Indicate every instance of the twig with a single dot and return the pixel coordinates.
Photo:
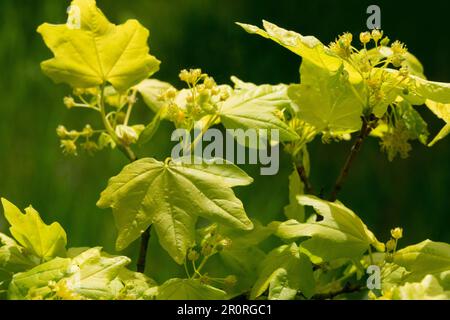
(366, 128)
(304, 177)
(145, 238)
(330, 295)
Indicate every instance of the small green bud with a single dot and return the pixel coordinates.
(385, 41)
(230, 281)
(62, 132)
(377, 35)
(193, 255)
(69, 102)
(90, 146)
(207, 250)
(365, 37)
(88, 131)
(390, 245)
(69, 147)
(209, 83)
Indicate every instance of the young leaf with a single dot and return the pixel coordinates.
(94, 272)
(416, 126)
(171, 196)
(38, 278)
(135, 285)
(308, 47)
(428, 289)
(341, 229)
(443, 112)
(284, 271)
(150, 130)
(98, 52)
(424, 258)
(326, 100)
(12, 256)
(13, 259)
(255, 109)
(294, 210)
(279, 286)
(44, 241)
(188, 289)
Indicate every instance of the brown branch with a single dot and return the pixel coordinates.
(366, 128)
(304, 177)
(145, 238)
(330, 295)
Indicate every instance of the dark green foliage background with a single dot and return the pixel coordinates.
(412, 193)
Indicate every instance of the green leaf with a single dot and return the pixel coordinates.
(89, 275)
(150, 130)
(442, 111)
(431, 90)
(308, 47)
(94, 272)
(428, 289)
(188, 289)
(151, 90)
(98, 52)
(256, 109)
(38, 278)
(284, 271)
(12, 256)
(171, 196)
(294, 210)
(13, 259)
(135, 285)
(279, 286)
(424, 258)
(326, 100)
(341, 229)
(44, 241)
(416, 126)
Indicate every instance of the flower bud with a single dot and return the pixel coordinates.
(365, 37)
(397, 233)
(207, 250)
(69, 102)
(88, 131)
(193, 255)
(390, 245)
(90, 146)
(62, 132)
(69, 147)
(376, 35)
(385, 41)
(230, 281)
(126, 135)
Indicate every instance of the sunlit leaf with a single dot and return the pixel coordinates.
(99, 52)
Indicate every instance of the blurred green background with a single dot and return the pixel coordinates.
(412, 193)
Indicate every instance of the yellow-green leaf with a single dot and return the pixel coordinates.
(308, 47)
(98, 52)
(44, 241)
(442, 111)
(171, 196)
